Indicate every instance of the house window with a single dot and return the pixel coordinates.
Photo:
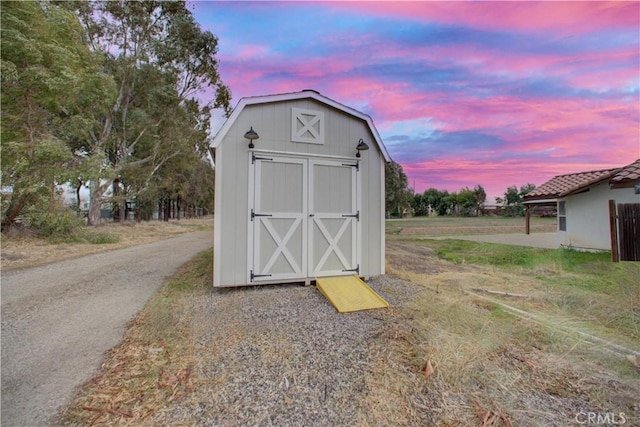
(562, 216)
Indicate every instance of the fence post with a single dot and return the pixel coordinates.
(614, 231)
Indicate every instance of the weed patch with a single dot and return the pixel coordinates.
(490, 365)
(99, 238)
(81, 236)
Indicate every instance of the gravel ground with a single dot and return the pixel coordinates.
(282, 355)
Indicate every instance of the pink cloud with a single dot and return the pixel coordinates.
(566, 17)
(456, 172)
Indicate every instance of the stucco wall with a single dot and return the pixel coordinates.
(588, 217)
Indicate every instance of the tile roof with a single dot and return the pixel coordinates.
(627, 173)
(563, 184)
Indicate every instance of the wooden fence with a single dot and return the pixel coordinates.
(625, 237)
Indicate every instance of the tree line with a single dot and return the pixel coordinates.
(403, 201)
(103, 95)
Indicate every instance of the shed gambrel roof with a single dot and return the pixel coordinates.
(572, 183)
(305, 94)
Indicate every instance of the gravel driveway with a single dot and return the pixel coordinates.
(59, 319)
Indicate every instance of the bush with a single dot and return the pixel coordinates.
(58, 223)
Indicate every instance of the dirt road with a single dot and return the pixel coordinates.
(59, 319)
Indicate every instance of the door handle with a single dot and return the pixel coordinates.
(312, 215)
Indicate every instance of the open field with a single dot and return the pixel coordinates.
(451, 226)
(22, 249)
(477, 334)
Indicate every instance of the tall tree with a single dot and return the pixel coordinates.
(526, 189)
(466, 202)
(434, 199)
(513, 201)
(45, 68)
(397, 194)
(159, 58)
(479, 197)
(419, 205)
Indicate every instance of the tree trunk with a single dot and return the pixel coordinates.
(167, 209)
(95, 202)
(12, 213)
(79, 203)
(123, 210)
(115, 206)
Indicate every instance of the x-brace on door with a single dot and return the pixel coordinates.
(334, 218)
(304, 218)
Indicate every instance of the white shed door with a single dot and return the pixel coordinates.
(304, 218)
(334, 214)
(279, 217)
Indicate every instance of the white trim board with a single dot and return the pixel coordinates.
(305, 94)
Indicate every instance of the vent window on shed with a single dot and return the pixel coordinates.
(307, 126)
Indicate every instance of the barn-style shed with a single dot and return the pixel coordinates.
(299, 192)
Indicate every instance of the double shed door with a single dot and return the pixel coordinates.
(304, 218)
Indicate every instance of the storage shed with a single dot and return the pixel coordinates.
(299, 192)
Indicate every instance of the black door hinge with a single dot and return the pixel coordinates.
(355, 215)
(356, 270)
(253, 276)
(353, 165)
(253, 214)
(254, 158)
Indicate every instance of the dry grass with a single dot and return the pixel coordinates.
(22, 249)
(448, 354)
(154, 365)
(455, 355)
(459, 357)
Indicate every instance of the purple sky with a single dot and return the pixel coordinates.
(462, 93)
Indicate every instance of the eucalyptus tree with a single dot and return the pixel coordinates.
(46, 72)
(160, 59)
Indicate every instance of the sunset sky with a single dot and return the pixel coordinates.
(462, 93)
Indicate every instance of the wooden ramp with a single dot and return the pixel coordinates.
(349, 293)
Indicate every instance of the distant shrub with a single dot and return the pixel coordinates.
(55, 224)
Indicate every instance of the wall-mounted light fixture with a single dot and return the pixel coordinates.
(251, 135)
(362, 146)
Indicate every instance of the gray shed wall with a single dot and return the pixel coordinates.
(272, 121)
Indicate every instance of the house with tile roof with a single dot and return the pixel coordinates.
(582, 201)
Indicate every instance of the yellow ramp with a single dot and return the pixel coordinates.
(349, 293)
